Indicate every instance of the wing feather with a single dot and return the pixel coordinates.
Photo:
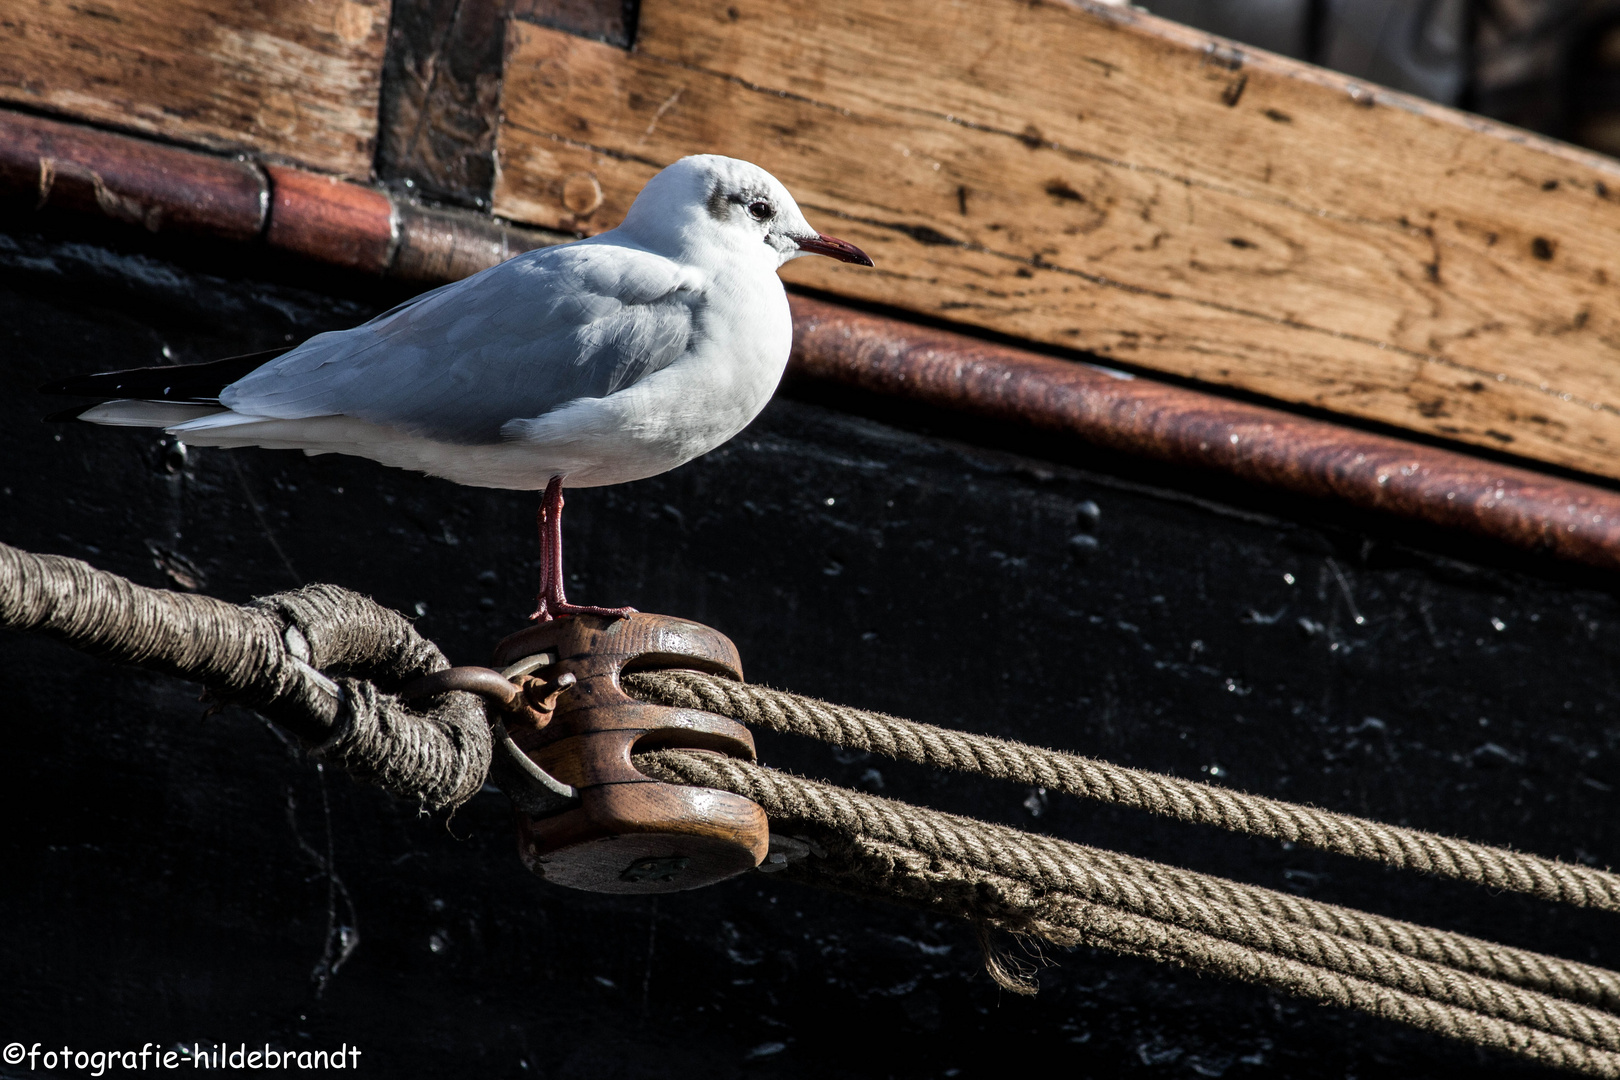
(513, 342)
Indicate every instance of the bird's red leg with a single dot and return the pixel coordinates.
(552, 603)
(550, 528)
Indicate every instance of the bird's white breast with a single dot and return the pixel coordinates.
(744, 336)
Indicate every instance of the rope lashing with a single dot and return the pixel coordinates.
(268, 656)
(1069, 894)
(1186, 800)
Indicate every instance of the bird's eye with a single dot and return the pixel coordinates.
(761, 210)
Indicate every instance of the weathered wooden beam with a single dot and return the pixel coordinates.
(442, 82)
(1092, 177)
(298, 81)
(440, 89)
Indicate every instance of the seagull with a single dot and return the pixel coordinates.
(602, 361)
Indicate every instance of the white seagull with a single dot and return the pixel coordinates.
(598, 362)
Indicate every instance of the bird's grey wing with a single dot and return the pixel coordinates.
(514, 342)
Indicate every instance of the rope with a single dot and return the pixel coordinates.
(1114, 899)
(876, 870)
(1566, 979)
(1187, 800)
(268, 656)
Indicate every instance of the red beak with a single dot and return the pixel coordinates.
(842, 250)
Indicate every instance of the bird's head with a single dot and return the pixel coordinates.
(711, 203)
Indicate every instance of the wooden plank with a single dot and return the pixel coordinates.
(442, 81)
(288, 78)
(440, 87)
(1100, 179)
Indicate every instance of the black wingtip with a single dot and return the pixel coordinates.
(187, 383)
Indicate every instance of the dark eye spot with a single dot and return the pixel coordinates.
(762, 210)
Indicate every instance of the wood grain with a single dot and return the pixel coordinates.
(1099, 179)
(289, 78)
(441, 84)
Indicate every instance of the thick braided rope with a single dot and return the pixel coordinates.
(1188, 800)
(196, 637)
(1058, 866)
(891, 872)
(862, 866)
(1564, 978)
(438, 755)
(1568, 979)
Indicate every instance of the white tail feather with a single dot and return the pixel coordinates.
(146, 414)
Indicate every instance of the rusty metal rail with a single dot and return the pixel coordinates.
(1173, 425)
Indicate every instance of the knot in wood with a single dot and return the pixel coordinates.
(582, 193)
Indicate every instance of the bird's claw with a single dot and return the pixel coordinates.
(549, 612)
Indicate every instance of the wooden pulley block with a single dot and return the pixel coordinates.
(629, 833)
